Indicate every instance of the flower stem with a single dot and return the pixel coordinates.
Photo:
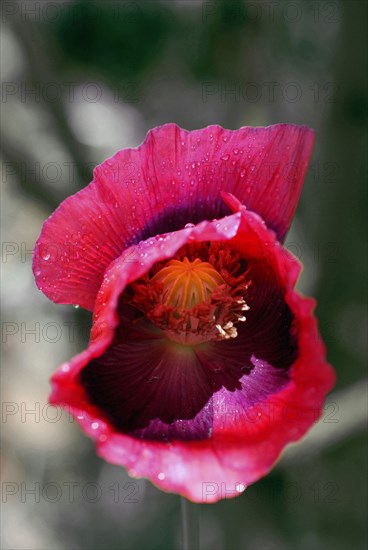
(190, 524)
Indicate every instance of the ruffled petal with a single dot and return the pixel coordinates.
(277, 399)
(173, 178)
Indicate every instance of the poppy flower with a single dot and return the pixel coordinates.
(203, 360)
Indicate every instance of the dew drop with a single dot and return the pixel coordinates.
(76, 306)
(94, 425)
(154, 378)
(217, 369)
(188, 225)
(161, 476)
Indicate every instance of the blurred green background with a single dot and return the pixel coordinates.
(81, 80)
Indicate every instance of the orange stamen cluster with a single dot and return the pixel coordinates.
(192, 300)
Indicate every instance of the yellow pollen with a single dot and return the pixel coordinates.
(187, 284)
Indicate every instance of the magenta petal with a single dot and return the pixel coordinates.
(173, 178)
(79, 240)
(263, 167)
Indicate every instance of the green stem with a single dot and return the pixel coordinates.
(190, 524)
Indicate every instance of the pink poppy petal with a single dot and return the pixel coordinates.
(173, 178)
